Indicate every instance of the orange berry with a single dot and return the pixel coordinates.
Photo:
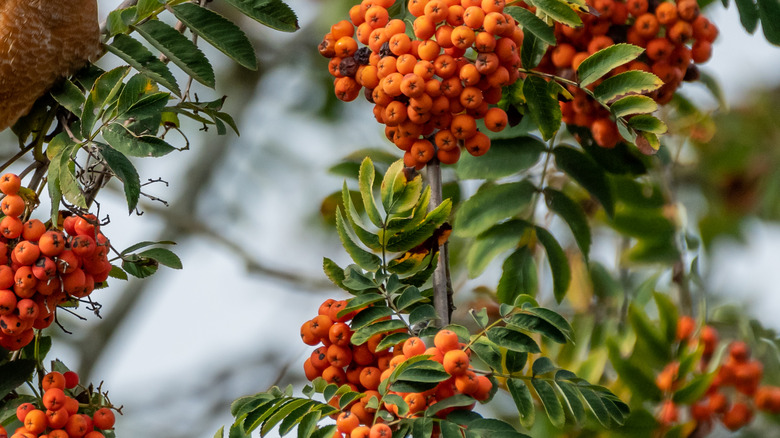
(446, 340)
(666, 13)
(456, 362)
(11, 227)
(685, 328)
(738, 416)
(668, 414)
(467, 383)
(35, 421)
(10, 184)
(360, 432)
(53, 379)
(370, 377)
(477, 145)
(413, 347)
(380, 430)
(12, 205)
(496, 119)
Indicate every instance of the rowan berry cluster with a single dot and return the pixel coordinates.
(675, 37)
(426, 92)
(41, 269)
(60, 413)
(364, 368)
(735, 392)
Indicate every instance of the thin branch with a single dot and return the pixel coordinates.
(442, 284)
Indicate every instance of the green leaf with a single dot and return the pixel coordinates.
(117, 272)
(518, 276)
(68, 95)
(219, 32)
(56, 147)
(596, 406)
(360, 302)
(406, 241)
(533, 323)
(543, 105)
(572, 398)
(605, 60)
(356, 280)
(523, 400)
(504, 158)
(125, 172)
(141, 59)
(769, 11)
(693, 390)
(365, 259)
(220, 433)
(103, 92)
(393, 185)
(146, 8)
(455, 401)
(391, 340)
(559, 264)
(543, 365)
(409, 297)
(554, 319)
(559, 11)
(361, 335)
(366, 183)
(422, 428)
(450, 430)
(335, 274)
(513, 340)
(163, 256)
(491, 427)
(144, 244)
(532, 51)
(648, 334)
(370, 315)
(281, 413)
(492, 203)
(129, 144)
(295, 417)
(493, 242)
(423, 313)
(14, 374)
(533, 24)
(574, 216)
(626, 83)
(550, 402)
(140, 268)
(646, 122)
(62, 176)
(587, 173)
(368, 238)
(748, 14)
(515, 361)
(272, 13)
(636, 104)
(636, 378)
(426, 371)
(667, 312)
(488, 352)
(308, 424)
(179, 49)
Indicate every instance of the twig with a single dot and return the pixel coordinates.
(442, 285)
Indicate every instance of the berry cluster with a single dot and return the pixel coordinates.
(60, 413)
(734, 394)
(41, 269)
(675, 37)
(423, 89)
(364, 368)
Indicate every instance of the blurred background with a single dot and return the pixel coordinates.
(175, 349)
